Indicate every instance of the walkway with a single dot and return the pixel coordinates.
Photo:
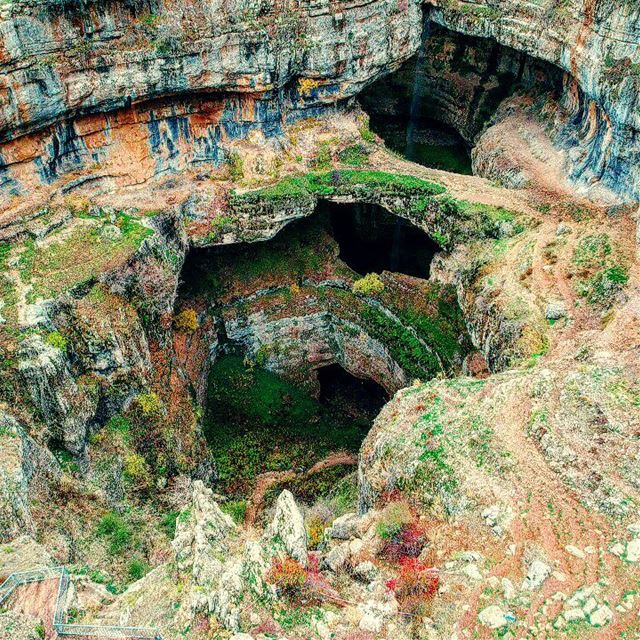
(42, 594)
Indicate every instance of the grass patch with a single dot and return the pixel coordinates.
(78, 257)
(355, 155)
(599, 271)
(237, 509)
(115, 530)
(335, 182)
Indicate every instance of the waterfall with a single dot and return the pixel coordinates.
(416, 95)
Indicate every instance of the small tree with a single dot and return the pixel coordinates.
(186, 321)
(370, 285)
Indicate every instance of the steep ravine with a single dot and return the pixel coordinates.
(262, 377)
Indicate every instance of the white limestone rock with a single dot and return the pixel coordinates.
(538, 572)
(493, 617)
(287, 532)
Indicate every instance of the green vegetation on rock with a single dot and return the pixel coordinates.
(601, 273)
(258, 422)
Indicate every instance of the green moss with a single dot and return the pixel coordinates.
(121, 426)
(491, 217)
(411, 353)
(259, 422)
(221, 225)
(442, 156)
(5, 251)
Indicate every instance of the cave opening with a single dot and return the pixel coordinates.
(276, 401)
(259, 422)
(433, 109)
(372, 240)
(358, 398)
(424, 141)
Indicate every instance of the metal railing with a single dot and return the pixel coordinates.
(60, 624)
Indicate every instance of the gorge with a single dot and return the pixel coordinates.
(319, 319)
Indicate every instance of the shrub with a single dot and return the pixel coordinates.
(601, 275)
(288, 576)
(366, 133)
(168, 524)
(370, 285)
(150, 404)
(323, 158)
(57, 340)
(186, 321)
(415, 587)
(395, 517)
(113, 527)
(315, 526)
(235, 165)
(402, 532)
(136, 470)
(137, 569)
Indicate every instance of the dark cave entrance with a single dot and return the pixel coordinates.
(372, 240)
(434, 107)
(344, 393)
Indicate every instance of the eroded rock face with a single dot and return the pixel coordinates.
(596, 44)
(69, 111)
(23, 465)
(316, 340)
(272, 68)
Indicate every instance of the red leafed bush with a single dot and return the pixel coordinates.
(415, 586)
(288, 576)
(413, 539)
(304, 586)
(401, 530)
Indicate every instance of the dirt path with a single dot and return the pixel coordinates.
(272, 478)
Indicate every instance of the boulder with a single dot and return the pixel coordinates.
(287, 532)
(537, 574)
(493, 617)
(344, 527)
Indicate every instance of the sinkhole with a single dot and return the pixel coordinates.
(259, 422)
(303, 362)
(434, 108)
(372, 240)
